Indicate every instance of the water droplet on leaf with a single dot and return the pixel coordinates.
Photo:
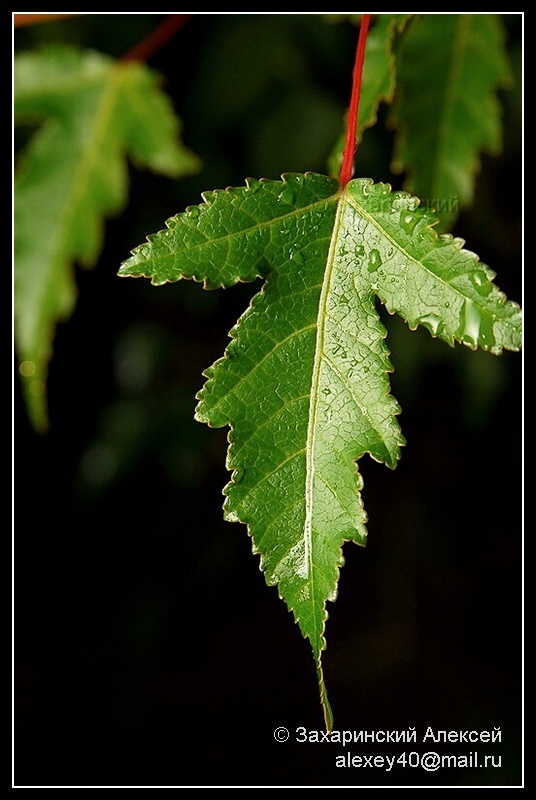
(431, 322)
(481, 283)
(470, 320)
(408, 221)
(374, 260)
(286, 195)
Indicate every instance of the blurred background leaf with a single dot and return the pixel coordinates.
(446, 110)
(90, 113)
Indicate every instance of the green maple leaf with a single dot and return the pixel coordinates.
(448, 70)
(93, 113)
(304, 382)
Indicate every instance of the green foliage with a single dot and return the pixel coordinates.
(438, 75)
(304, 382)
(92, 113)
(448, 70)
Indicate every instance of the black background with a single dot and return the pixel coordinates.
(148, 649)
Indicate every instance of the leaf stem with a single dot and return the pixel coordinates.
(350, 146)
(157, 38)
(24, 19)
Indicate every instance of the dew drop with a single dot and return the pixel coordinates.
(374, 260)
(431, 322)
(286, 195)
(408, 221)
(487, 337)
(470, 320)
(481, 283)
(193, 212)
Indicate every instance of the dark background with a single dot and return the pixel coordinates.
(148, 649)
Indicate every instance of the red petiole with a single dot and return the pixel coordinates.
(157, 38)
(351, 124)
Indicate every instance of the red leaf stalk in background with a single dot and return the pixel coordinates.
(157, 38)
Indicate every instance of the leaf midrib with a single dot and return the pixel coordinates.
(458, 52)
(322, 316)
(81, 177)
